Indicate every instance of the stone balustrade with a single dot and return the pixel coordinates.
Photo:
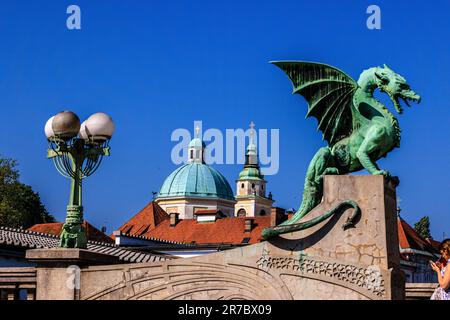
(18, 283)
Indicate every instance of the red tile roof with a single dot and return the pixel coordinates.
(224, 230)
(435, 244)
(93, 234)
(410, 239)
(153, 222)
(146, 219)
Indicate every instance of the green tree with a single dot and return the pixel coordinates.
(20, 206)
(422, 227)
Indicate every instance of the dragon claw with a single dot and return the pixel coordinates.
(383, 172)
(394, 179)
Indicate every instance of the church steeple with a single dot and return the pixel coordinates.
(196, 148)
(251, 157)
(251, 186)
(251, 167)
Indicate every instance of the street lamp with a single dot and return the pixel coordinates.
(77, 151)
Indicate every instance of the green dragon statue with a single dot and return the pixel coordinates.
(359, 129)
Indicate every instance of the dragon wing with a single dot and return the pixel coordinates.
(329, 93)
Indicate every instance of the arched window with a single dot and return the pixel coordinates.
(253, 186)
(242, 186)
(241, 213)
(192, 154)
(262, 213)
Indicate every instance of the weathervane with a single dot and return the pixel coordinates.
(77, 151)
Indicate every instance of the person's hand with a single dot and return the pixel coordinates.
(434, 266)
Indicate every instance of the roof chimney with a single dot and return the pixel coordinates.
(277, 215)
(173, 219)
(248, 225)
(117, 235)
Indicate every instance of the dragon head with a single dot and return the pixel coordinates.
(395, 86)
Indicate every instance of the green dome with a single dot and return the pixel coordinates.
(250, 173)
(196, 180)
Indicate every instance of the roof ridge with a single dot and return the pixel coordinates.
(153, 238)
(49, 235)
(106, 244)
(159, 214)
(25, 231)
(410, 232)
(15, 237)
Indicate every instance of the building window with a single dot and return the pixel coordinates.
(192, 154)
(253, 186)
(242, 186)
(262, 213)
(241, 213)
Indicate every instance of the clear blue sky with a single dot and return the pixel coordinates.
(156, 66)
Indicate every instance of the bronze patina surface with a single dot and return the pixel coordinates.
(359, 129)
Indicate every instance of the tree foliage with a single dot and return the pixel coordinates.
(422, 227)
(20, 206)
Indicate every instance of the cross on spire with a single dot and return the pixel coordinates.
(197, 131)
(252, 131)
(252, 157)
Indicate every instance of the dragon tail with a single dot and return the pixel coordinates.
(340, 208)
(309, 201)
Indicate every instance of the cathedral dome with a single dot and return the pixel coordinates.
(196, 180)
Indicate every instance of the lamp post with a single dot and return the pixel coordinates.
(77, 151)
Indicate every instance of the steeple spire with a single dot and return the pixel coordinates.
(251, 155)
(251, 186)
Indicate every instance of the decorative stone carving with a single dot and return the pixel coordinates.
(369, 278)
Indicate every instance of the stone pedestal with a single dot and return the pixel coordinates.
(58, 272)
(368, 254)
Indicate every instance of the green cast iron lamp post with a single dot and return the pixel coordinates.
(77, 151)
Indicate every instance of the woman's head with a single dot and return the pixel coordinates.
(444, 248)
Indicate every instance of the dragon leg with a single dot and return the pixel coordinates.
(320, 165)
(312, 192)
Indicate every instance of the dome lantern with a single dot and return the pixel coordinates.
(196, 148)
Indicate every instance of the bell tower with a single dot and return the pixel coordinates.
(251, 185)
